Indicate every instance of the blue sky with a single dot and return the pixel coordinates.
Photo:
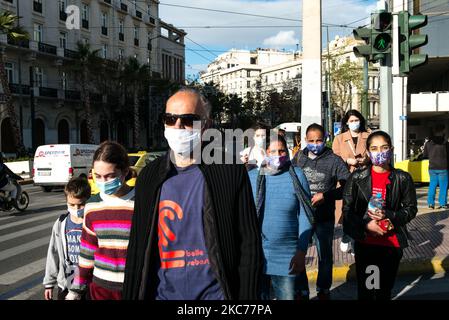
(204, 44)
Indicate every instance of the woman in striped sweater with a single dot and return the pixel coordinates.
(106, 227)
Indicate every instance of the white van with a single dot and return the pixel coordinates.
(55, 164)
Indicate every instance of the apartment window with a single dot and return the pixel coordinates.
(275, 77)
(85, 16)
(64, 81)
(38, 77)
(62, 40)
(121, 30)
(37, 5)
(9, 68)
(288, 75)
(104, 23)
(149, 9)
(121, 53)
(136, 36)
(104, 51)
(282, 76)
(62, 14)
(38, 32)
(266, 79)
(248, 73)
(248, 84)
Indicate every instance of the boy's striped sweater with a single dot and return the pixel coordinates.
(104, 242)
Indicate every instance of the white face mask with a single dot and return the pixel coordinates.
(182, 141)
(259, 141)
(354, 126)
(78, 213)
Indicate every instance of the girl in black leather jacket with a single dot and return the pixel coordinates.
(378, 228)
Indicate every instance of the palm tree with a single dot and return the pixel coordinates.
(135, 76)
(8, 27)
(85, 66)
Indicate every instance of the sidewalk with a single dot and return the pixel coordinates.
(428, 252)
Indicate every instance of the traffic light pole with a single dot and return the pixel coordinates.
(386, 100)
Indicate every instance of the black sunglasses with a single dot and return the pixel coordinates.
(187, 120)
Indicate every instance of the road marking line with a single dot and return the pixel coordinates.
(25, 232)
(407, 288)
(21, 222)
(26, 295)
(24, 248)
(23, 272)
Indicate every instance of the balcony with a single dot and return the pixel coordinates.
(123, 7)
(121, 36)
(104, 31)
(149, 46)
(24, 43)
(72, 95)
(70, 54)
(107, 1)
(136, 42)
(14, 87)
(138, 14)
(85, 23)
(37, 6)
(48, 92)
(46, 48)
(10, 1)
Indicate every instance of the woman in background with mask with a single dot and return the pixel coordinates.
(350, 145)
(106, 227)
(253, 156)
(285, 226)
(378, 225)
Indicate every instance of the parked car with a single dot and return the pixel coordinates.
(137, 162)
(418, 169)
(55, 164)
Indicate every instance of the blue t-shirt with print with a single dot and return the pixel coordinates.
(73, 239)
(185, 272)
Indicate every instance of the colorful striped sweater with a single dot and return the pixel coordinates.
(104, 242)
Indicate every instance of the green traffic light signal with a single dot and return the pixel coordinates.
(381, 36)
(409, 41)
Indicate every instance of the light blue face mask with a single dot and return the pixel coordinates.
(109, 187)
(79, 213)
(354, 126)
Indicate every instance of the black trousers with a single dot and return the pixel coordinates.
(386, 259)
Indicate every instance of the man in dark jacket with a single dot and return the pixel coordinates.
(437, 151)
(323, 170)
(194, 233)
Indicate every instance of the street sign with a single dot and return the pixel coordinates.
(337, 128)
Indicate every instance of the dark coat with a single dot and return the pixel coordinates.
(231, 231)
(401, 203)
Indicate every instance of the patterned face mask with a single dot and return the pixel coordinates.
(316, 149)
(380, 158)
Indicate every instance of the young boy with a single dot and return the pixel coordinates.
(63, 251)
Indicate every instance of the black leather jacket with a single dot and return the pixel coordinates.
(401, 204)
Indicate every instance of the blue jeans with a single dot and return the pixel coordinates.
(325, 235)
(438, 178)
(280, 287)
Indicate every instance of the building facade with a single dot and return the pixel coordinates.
(117, 28)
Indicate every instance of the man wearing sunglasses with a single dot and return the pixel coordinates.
(194, 233)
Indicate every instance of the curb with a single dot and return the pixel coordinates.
(406, 267)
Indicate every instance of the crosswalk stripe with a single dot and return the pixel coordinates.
(24, 248)
(25, 232)
(21, 273)
(18, 223)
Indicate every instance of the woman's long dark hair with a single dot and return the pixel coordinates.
(355, 113)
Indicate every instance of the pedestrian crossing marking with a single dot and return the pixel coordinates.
(21, 233)
(21, 222)
(24, 248)
(23, 272)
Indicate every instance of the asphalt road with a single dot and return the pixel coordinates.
(24, 239)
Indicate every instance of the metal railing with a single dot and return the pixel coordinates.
(47, 48)
(70, 54)
(72, 95)
(48, 92)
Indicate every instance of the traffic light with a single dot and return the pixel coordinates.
(381, 37)
(363, 50)
(409, 41)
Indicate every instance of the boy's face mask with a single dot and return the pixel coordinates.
(76, 212)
